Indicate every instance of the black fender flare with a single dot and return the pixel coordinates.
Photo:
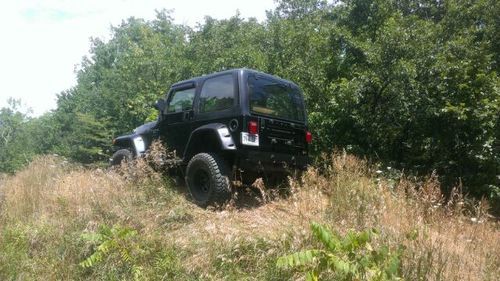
(219, 130)
(132, 141)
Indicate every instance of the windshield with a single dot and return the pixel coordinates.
(275, 98)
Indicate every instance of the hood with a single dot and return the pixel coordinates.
(145, 128)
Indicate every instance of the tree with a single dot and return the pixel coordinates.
(21, 136)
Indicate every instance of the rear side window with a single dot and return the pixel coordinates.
(217, 93)
(181, 100)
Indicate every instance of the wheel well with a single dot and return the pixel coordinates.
(123, 143)
(206, 141)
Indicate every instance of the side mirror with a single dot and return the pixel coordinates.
(160, 105)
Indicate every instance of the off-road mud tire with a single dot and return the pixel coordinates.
(120, 156)
(207, 178)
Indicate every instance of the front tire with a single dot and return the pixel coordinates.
(120, 156)
(207, 178)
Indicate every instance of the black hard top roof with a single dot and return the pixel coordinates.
(196, 80)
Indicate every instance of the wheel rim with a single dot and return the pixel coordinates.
(201, 181)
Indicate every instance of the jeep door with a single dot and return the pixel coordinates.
(175, 124)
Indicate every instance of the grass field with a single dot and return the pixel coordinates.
(60, 221)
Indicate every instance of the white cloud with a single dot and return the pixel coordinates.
(42, 41)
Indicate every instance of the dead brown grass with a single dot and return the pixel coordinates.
(441, 242)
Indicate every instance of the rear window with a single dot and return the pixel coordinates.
(274, 98)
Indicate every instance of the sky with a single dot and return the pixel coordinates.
(43, 41)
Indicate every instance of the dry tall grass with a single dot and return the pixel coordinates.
(45, 209)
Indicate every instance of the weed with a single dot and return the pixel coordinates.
(46, 207)
(351, 257)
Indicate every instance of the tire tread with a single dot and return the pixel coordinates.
(219, 173)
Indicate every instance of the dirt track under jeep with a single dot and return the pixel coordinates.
(238, 124)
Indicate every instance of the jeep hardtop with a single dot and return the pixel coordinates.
(238, 124)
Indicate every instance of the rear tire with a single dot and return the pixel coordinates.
(207, 178)
(120, 156)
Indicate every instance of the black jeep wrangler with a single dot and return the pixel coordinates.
(238, 124)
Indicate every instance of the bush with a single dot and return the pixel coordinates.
(351, 257)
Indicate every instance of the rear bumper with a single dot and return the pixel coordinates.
(266, 162)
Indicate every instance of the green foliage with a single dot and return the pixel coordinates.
(123, 76)
(12, 156)
(351, 257)
(113, 242)
(225, 44)
(86, 139)
(14, 244)
(413, 84)
(22, 137)
(48, 242)
(248, 259)
(29, 251)
(120, 253)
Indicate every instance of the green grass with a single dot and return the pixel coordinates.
(64, 222)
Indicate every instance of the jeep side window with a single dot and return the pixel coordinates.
(181, 100)
(217, 93)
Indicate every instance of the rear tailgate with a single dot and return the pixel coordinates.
(282, 136)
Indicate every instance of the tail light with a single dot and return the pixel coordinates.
(252, 136)
(309, 137)
(253, 128)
